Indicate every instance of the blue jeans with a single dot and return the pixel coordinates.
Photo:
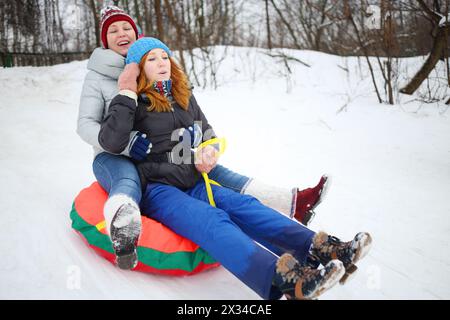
(228, 232)
(117, 175)
(228, 179)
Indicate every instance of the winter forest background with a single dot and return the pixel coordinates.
(358, 89)
(43, 32)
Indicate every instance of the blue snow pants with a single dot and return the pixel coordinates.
(228, 232)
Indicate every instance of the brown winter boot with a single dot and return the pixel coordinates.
(298, 282)
(327, 248)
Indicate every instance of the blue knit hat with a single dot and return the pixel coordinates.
(140, 47)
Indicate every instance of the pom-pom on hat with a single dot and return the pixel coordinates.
(111, 14)
(140, 48)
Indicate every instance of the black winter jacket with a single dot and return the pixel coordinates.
(123, 117)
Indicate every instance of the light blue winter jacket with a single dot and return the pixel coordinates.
(99, 88)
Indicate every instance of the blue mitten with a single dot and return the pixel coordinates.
(140, 146)
(196, 135)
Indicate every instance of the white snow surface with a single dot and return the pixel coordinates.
(390, 167)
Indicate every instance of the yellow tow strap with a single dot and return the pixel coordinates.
(222, 144)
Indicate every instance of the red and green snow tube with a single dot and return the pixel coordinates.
(160, 250)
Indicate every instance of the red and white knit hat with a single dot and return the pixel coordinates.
(111, 14)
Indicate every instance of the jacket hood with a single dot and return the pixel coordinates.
(106, 62)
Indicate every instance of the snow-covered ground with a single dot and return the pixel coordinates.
(390, 167)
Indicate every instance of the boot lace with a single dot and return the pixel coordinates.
(298, 271)
(343, 250)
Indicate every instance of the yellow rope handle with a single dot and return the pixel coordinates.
(222, 146)
(208, 189)
(214, 182)
(219, 141)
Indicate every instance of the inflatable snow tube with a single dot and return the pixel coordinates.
(160, 250)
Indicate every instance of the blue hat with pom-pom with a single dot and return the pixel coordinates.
(140, 47)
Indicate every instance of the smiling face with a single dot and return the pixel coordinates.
(120, 36)
(157, 65)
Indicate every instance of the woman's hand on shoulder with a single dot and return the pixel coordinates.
(128, 78)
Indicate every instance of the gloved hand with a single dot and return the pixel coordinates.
(192, 136)
(140, 146)
(196, 135)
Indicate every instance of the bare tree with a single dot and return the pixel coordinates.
(349, 16)
(159, 20)
(440, 43)
(95, 14)
(269, 35)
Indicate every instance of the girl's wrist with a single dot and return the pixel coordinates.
(129, 93)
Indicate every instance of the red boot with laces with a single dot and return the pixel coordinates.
(305, 201)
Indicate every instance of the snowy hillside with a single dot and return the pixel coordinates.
(390, 167)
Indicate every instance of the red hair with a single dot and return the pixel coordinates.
(180, 88)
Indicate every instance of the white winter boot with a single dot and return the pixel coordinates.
(123, 224)
(295, 203)
(279, 199)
